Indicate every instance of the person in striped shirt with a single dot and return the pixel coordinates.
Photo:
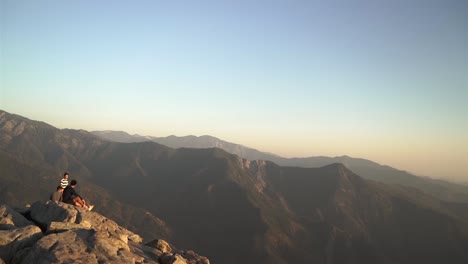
(64, 181)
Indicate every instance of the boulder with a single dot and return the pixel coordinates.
(25, 210)
(45, 213)
(150, 254)
(100, 223)
(58, 227)
(178, 259)
(168, 258)
(12, 241)
(10, 219)
(160, 245)
(193, 258)
(68, 247)
(20, 255)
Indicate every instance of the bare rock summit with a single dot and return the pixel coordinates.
(62, 233)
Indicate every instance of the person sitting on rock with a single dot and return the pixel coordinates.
(70, 196)
(64, 180)
(57, 195)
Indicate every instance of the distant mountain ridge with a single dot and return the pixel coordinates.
(231, 209)
(368, 169)
(188, 142)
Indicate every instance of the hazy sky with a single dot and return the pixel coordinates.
(382, 80)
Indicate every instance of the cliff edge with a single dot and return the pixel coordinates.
(62, 233)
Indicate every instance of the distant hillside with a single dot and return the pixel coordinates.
(233, 210)
(188, 142)
(34, 155)
(368, 169)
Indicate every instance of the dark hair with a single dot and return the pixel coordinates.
(59, 187)
(73, 182)
(66, 173)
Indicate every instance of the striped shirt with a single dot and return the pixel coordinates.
(63, 183)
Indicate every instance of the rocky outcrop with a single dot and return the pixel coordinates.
(174, 256)
(193, 258)
(72, 217)
(63, 233)
(160, 245)
(14, 241)
(11, 219)
(172, 259)
(81, 246)
(16, 234)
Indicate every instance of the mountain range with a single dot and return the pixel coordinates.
(441, 189)
(232, 209)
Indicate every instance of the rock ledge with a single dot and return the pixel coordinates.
(63, 233)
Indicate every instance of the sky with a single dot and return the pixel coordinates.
(381, 80)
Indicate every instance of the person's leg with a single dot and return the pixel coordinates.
(78, 202)
(82, 203)
(87, 205)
